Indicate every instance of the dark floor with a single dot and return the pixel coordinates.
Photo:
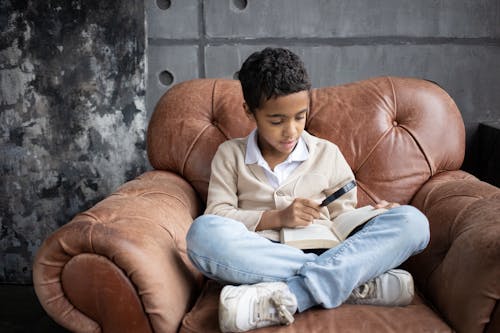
(20, 311)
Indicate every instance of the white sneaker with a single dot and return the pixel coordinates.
(245, 307)
(393, 288)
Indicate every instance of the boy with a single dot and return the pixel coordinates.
(274, 178)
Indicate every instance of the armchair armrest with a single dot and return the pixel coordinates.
(459, 271)
(121, 266)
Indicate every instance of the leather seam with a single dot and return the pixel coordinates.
(369, 154)
(91, 228)
(422, 151)
(144, 196)
(383, 134)
(190, 149)
(212, 118)
(213, 101)
(394, 97)
(365, 189)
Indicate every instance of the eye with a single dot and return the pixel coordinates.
(276, 122)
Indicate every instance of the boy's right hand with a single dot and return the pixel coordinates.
(300, 213)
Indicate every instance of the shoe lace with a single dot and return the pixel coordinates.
(366, 290)
(281, 315)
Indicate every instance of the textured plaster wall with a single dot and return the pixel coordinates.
(72, 115)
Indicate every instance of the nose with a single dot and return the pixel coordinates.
(290, 130)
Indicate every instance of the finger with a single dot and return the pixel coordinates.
(299, 222)
(381, 204)
(312, 212)
(306, 217)
(305, 224)
(311, 204)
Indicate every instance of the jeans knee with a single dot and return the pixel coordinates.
(211, 232)
(198, 232)
(415, 226)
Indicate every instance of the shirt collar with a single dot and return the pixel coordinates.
(253, 154)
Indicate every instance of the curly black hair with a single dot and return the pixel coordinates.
(272, 72)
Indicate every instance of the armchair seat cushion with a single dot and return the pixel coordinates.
(416, 317)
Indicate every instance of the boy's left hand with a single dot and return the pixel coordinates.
(386, 205)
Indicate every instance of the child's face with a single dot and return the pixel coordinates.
(280, 122)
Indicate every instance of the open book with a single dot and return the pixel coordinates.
(322, 236)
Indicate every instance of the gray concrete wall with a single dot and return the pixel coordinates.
(72, 115)
(455, 43)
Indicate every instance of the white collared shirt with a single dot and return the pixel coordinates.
(281, 171)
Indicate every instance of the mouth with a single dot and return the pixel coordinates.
(289, 144)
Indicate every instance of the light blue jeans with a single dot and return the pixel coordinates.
(224, 250)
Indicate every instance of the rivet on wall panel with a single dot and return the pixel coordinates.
(166, 78)
(163, 4)
(240, 4)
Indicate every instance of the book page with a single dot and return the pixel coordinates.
(314, 236)
(346, 222)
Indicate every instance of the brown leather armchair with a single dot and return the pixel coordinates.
(121, 266)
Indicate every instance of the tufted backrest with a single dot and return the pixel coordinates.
(394, 132)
